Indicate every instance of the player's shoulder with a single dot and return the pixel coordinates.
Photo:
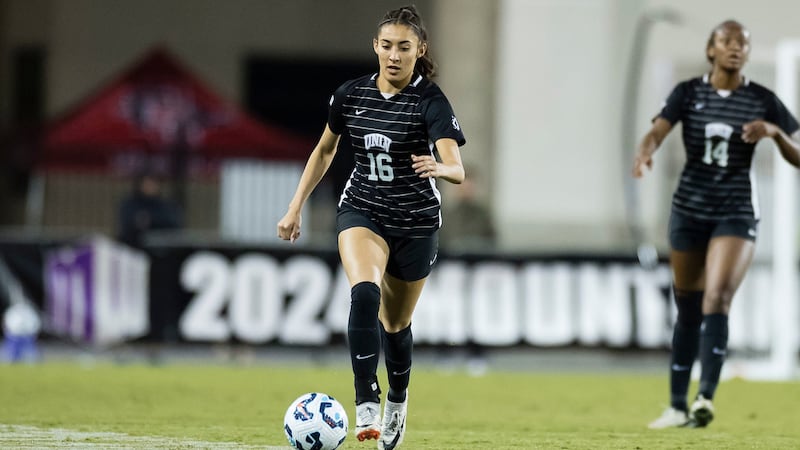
(690, 89)
(758, 89)
(427, 89)
(362, 81)
(693, 82)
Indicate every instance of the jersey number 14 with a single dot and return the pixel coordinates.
(716, 152)
(718, 135)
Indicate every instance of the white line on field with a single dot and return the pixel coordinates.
(28, 437)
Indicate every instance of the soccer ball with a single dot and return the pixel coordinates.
(315, 421)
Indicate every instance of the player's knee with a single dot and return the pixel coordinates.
(690, 307)
(718, 301)
(395, 324)
(365, 298)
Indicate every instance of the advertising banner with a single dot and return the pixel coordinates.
(284, 295)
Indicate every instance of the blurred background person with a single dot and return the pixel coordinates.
(146, 209)
(469, 222)
(714, 219)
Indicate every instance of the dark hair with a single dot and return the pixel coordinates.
(408, 16)
(720, 27)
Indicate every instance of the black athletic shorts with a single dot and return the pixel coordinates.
(410, 259)
(686, 233)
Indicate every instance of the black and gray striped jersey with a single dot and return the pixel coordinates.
(717, 182)
(384, 132)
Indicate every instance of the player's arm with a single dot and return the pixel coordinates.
(317, 165)
(789, 146)
(649, 144)
(445, 133)
(449, 168)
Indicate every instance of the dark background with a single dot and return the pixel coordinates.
(295, 93)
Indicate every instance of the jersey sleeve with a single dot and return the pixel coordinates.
(441, 120)
(336, 109)
(673, 106)
(778, 114)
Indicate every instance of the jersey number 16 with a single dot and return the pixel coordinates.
(380, 167)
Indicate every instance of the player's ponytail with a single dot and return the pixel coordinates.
(408, 16)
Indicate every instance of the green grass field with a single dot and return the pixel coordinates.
(191, 406)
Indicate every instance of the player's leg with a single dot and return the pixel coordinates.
(399, 300)
(364, 255)
(687, 259)
(687, 269)
(397, 307)
(727, 262)
(406, 272)
(689, 276)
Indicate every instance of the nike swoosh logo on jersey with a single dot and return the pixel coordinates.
(365, 356)
(434, 259)
(360, 111)
(401, 373)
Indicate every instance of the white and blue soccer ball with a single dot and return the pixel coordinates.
(315, 421)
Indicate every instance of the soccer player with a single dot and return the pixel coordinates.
(389, 213)
(714, 217)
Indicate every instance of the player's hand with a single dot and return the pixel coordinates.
(753, 131)
(425, 165)
(289, 227)
(639, 163)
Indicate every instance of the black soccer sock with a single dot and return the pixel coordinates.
(364, 340)
(398, 347)
(685, 345)
(713, 348)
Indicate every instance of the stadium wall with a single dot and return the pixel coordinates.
(546, 113)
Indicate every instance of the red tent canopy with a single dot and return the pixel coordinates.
(157, 108)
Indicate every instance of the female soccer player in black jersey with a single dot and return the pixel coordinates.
(714, 216)
(389, 212)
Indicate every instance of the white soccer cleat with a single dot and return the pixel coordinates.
(701, 413)
(670, 418)
(394, 425)
(368, 424)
